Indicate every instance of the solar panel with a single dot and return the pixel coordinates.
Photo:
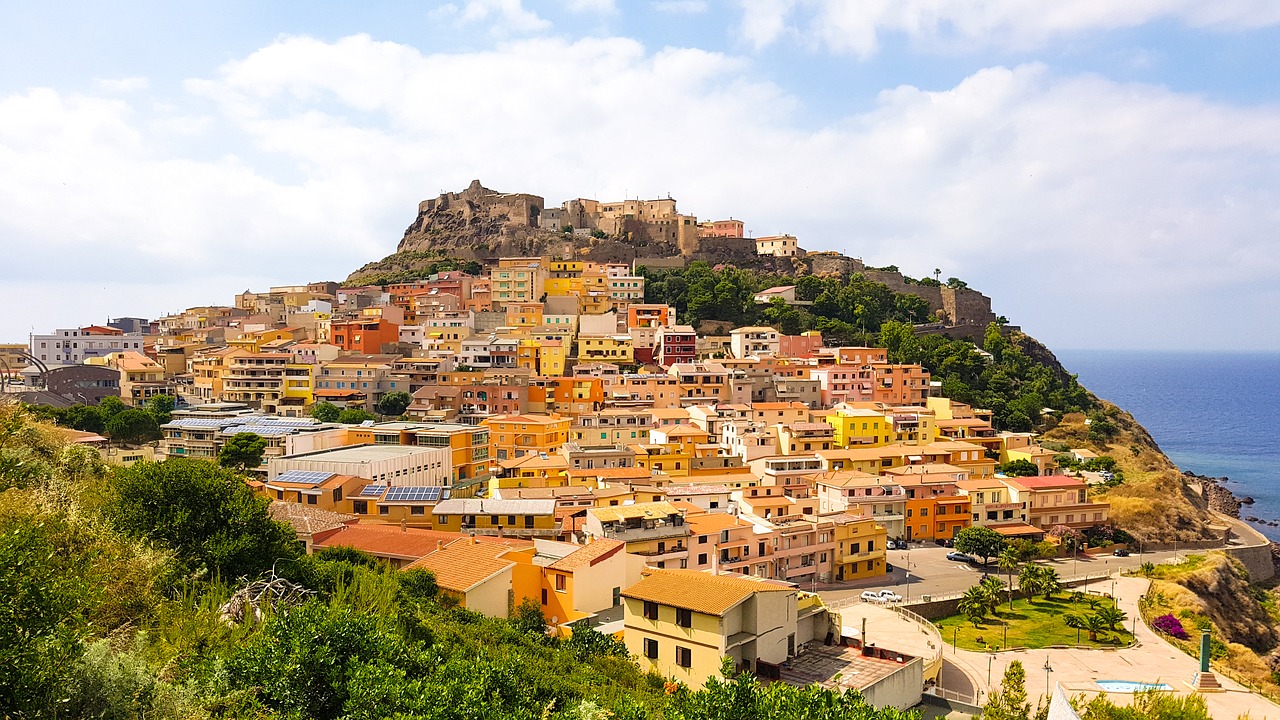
(308, 477)
(413, 494)
(372, 490)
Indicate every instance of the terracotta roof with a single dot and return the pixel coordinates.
(1048, 482)
(698, 591)
(697, 490)
(391, 541)
(632, 473)
(465, 564)
(709, 523)
(594, 552)
(307, 519)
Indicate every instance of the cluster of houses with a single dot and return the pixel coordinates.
(568, 444)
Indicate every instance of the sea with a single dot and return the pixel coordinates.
(1212, 413)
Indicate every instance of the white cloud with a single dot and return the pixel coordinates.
(1063, 198)
(856, 27)
(121, 85)
(502, 16)
(681, 7)
(599, 7)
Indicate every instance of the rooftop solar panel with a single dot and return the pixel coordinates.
(309, 477)
(372, 490)
(413, 494)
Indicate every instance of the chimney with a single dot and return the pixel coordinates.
(439, 545)
(403, 525)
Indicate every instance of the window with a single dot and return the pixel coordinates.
(417, 510)
(384, 510)
(311, 499)
(684, 657)
(561, 583)
(651, 648)
(702, 558)
(684, 617)
(650, 610)
(360, 507)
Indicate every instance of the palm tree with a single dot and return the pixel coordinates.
(992, 587)
(1112, 616)
(1076, 623)
(1050, 585)
(973, 604)
(1008, 562)
(1094, 624)
(1030, 580)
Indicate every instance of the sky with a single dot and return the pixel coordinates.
(1107, 172)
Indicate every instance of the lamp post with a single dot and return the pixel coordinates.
(990, 657)
(1047, 669)
(955, 635)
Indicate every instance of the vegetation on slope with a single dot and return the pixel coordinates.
(409, 266)
(1211, 592)
(112, 586)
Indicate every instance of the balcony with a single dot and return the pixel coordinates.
(679, 552)
(861, 557)
(660, 532)
(517, 532)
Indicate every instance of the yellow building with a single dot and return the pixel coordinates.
(607, 348)
(513, 436)
(506, 518)
(516, 280)
(531, 471)
(860, 547)
(682, 623)
(855, 427)
(543, 357)
(524, 314)
(469, 445)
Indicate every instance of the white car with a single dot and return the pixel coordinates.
(883, 596)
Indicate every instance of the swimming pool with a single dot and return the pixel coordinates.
(1129, 686)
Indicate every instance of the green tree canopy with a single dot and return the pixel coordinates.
(1010, 701)
(205, 514)
(355, 416)
(394, 403)
(161, 407)
(979, 541)
(243, 451)
(1019, 468)
(325, 412)
(133, 427)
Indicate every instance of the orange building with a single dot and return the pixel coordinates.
(366, 337)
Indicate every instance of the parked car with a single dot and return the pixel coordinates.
(880, 596)
(1120, 552)
(961, 557)
(948, 542)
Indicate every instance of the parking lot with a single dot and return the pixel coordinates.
(925, 570)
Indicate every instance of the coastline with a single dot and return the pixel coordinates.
(1225, 502)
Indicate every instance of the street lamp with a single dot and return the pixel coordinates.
(990, 657)
(1047, 669)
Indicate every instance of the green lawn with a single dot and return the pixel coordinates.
(1030, 625)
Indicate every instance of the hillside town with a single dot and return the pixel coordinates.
(539, 432)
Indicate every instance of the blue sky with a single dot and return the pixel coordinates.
(1109, 173)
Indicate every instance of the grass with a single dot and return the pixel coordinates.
(1035, 624)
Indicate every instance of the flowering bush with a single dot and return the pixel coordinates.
(1171, 626)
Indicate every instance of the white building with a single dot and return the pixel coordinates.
(397, 465)
(73, 346)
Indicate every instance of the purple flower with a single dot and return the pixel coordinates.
(1171, 626)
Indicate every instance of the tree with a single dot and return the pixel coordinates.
(1019, 468)
(1112, 616)
(1094, 624)
(1050, 584)
(1075, 622)
(86, 418)
(529, 618)
(205, 514)
(394, 404)
(325, 412)
(1031, 580)
(355, 416)
(243, 452)
(1008, 562)
(1010, 701)
(161, 408)
(974, 604)
(980, 541)
(133, 427)
(110, 406)
(992, 588)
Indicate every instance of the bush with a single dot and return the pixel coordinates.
(1171, 626)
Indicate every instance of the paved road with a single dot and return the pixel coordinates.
(932, 574)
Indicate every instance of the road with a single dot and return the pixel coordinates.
(932, 574)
